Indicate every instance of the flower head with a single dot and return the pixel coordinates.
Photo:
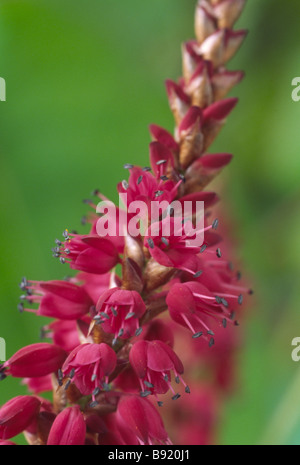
(153, 362)
(119, 311)
(89, 366)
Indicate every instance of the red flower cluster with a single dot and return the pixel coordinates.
(116, 353)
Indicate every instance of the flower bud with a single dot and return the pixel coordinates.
(17, 414)
(68, 428)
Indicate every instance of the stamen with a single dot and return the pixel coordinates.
(150, 243)
(211, 342)
(197, 274)
(215, 223)
(138, 331)
(129, 315)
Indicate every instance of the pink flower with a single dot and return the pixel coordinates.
(68, 428)
(168, 242)
(57, 299)
(140, 418)
(153, 362)
(89, 253)
(119, 311)
(34, 360)
(89, 366)
(145, 187)
(17, 414)
(191, 303)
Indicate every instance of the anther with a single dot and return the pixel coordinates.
(121, 332)
(211, 342)
(218, 252)
(161, 162)
(197, 274)
(176, 397)
(158, 193)
(96, 391)
(149, 385)
(21, 307)
(146, 168)
(72, 373)
(104, 315)
(23, 284)
(165, 241)
(145, 393)
(196, 335)
(160, 403)
(62, 260)
(150, 243)
(203, 248)
(224, 302)
(140, 178)
(125, 184)
(187, 390)
(177, 380)
(164, 178)
(224, 323)
(215, 223)
(129, 315)
(128, 166)
(240, 299)
(93, 404)
(67, 384)
(114, 311)
(181, 176)
(138, 331)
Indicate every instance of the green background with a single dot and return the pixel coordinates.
(84, 81)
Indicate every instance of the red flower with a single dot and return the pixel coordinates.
(119, 311)
(68, 428)
(90, 253)
(17, 414)
(153, 362)
(57, 299)
(34, 360)
(169, 242)
(141, 419)
(191, 303)
(89, 366)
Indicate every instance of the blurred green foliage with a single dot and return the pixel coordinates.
(84, 81)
